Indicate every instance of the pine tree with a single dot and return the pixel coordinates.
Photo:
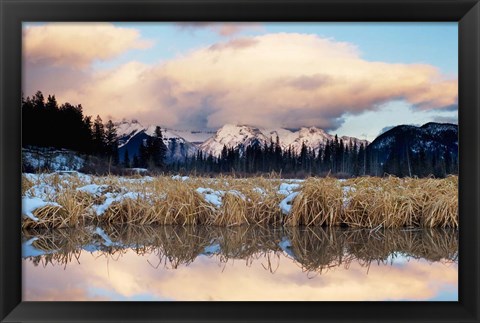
(135, 162)
(448, 161)
(157, 150)
(361, 161)
(126, 159)
(39, 100)
(51, 104)
(143, 155)
(98, 136)
(87, 135)
(111, 142)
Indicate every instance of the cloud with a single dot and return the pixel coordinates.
(283, 79)
(224, 29)
(238, 43)
(78, 44)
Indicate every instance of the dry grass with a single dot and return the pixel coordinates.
(393, 202)
(314, 249)
(369, 202)
(319, 203)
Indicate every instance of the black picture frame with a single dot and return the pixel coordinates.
(14, 12)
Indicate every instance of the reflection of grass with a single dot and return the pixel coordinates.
(314, 248)
(361, 202)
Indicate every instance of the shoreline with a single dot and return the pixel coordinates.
(74, 199)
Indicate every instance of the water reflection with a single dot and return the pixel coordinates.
(306, 263)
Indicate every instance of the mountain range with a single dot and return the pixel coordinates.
(182, 143)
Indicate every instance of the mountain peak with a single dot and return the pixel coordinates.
(234, 135)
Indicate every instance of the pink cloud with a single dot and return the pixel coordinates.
(224, 29)
(78, 44)
(284, 79)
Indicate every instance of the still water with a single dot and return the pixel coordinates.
(240, 263)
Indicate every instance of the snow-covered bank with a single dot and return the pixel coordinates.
(52, 159)
(77, 198)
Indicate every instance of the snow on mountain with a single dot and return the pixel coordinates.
(126, 130)
(233, 136)
(236, 135)
(132, 134)
(195, 137)
(312, 137)
(182, 143)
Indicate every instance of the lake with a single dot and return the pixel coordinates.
(202, 263)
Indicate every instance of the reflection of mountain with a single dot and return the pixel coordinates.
(314, 249)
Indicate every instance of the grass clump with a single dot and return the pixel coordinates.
(319, 203)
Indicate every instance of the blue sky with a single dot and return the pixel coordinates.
(434, 43)
(173, 44)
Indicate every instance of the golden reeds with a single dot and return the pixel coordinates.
(319, 203)
(369, 202)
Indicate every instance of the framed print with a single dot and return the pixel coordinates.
(240, 161)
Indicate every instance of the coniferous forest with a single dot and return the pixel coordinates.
(46, 123)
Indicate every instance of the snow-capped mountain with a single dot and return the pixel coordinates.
(132, 134)
(126, 130)
(233, 136)
(182, 143)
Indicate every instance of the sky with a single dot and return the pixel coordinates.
(355, 79)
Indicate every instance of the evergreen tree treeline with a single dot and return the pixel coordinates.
(47, 124)
(334, 158)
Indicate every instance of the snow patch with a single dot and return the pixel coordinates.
(287, 188)
(93, 189)
(30, 204)
(100, 209)
(211, 196)
(180, 178)
(259, 190)
(346, 198)
(286, 204)
(139, 170)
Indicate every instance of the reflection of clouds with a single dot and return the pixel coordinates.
(58, 294)
(206, 279)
